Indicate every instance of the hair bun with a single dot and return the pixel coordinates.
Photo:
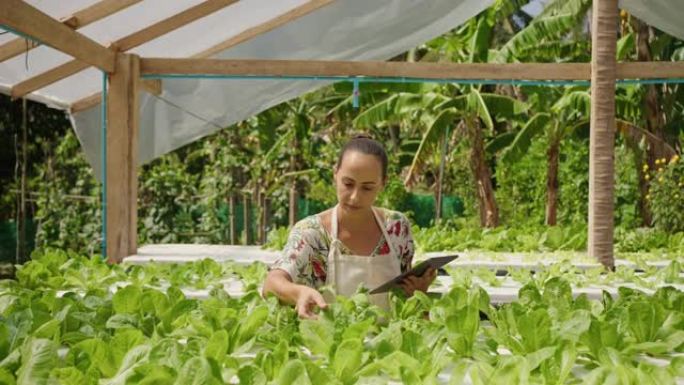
(362, 136)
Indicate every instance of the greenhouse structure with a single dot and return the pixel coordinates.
(141, 78)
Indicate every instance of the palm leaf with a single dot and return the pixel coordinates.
(504, 106)
(551, 51)
(380, 112)
(459, 103)
(637, 133)
(397, 105)
(565, 6)
(500, 142)
(282, 142)
(431, 138)
(558, 18)
(577, 102)
(523, 140)
(626, 46)
(478, 105)
(505, 8)
(479, 48)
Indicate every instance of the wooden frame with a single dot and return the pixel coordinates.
(122, 158)
(267, 26)
(77, 20)
(295, 13)
(28, 20)
(308, 68)
(124, 44)
(152, 86)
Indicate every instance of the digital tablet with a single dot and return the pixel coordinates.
(417, 270)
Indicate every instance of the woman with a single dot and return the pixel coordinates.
(350, 244)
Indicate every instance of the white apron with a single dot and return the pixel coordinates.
(347, 272)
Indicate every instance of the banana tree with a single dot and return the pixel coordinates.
(444, 118)
(657, 109)
(569, 114)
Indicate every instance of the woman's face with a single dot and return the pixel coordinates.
(358, 181)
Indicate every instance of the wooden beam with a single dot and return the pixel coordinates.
(124, 44)
(122, 159)
(522, 71)
(650, 70)
(578, 71)
(243, 36)
(85, 103)
(602, 131)
(151, 86)
(267, 26)
(23, 18)
(78, 20)
(528, 71)
(37, 82)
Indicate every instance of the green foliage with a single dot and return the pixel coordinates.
(68, 206)
(666, 194)
(168, 205)
(143, 330)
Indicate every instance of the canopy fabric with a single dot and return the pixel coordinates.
(188, 109)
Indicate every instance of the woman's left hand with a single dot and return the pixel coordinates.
(413, 283)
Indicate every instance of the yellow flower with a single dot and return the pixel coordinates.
(657, 161)
(660, 169)
(647, 177)
(648, 197)
(661, 179)
(645, 167)
(674, 159)
(663, 161)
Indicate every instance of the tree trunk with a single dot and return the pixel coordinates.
(231, 218)
(292, 217)
(602, 131)
(266, 218)
(552, 156)
(654, 123)
(642, 203)
(440, 180)
(21, 213)
(246, 219)
(261, 202)
(489, 212)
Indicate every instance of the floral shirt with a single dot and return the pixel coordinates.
(305, 256)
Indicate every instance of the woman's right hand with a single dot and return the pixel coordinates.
(307, 300)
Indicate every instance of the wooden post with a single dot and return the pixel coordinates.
(602, 130)
(246, 218)
(122, 158)
(231, 218)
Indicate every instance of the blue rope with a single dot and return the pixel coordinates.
(355, 95)
(369, 79)
(20, 34)
(103, 141)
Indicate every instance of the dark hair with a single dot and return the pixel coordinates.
(365, 145)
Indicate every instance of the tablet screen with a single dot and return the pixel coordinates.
(417, 270)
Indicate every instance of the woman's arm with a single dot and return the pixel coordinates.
(303, 297)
